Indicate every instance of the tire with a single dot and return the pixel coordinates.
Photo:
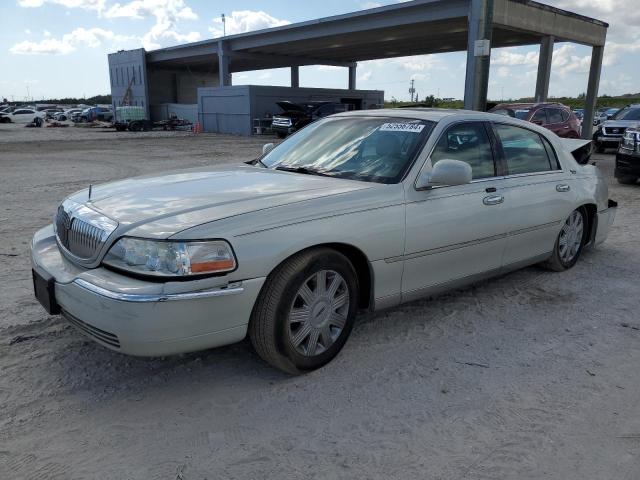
(281, 134)
(627, 180)
(297, 335)
(600, 148)
(135, 127)
(568, 238)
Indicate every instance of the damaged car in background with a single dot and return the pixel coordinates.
(295, 116)
(359, 211)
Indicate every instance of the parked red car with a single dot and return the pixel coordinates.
(554, 116)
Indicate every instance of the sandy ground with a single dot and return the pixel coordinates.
(528, 376)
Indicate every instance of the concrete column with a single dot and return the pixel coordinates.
(295, 76)
(223, 65)
(592, 92)
(544, 69)
(478, 54)
(352, 77)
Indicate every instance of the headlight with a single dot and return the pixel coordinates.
(171, 258)
(631, 141)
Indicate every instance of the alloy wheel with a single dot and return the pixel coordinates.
(571, 237)
(318, 313)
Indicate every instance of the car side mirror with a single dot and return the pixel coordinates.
(267, 147)
(445, 172)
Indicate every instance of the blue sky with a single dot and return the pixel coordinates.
(58, 48)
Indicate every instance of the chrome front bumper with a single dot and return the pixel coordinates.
(145, 318)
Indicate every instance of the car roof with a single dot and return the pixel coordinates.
(524, 105)
(431, 114)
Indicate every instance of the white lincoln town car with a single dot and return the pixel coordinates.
(358, 211)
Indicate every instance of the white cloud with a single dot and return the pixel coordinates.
(92, 37)
(241, 21)
(511, 57)
(366, 76)
(169, 10)
(503, 72)
(97, 5)
(167, 14)
(418, 63)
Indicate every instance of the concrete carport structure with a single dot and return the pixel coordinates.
(410, 28)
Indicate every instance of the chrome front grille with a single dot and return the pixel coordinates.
(613, 131)
(84, 239)
(82, 231)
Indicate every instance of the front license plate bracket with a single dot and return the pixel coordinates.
(44, 287)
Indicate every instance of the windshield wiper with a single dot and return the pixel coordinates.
(303, 170)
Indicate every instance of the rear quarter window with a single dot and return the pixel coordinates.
(524, 150)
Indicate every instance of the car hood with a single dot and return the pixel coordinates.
(173, 202)
(288, 106)
(620, 123)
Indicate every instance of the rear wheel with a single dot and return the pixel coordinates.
(135, 126)
(569, 243)
(305, 311)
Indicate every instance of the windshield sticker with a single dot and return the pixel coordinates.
(402, 127)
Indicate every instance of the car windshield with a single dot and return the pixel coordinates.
(373, 149)
(628, 114)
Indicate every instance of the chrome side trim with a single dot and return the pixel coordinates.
(537, 227)
(162, 297)
(456, 246)
(446, 248)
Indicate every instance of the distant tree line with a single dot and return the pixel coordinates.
(95, 100)
(578, 102)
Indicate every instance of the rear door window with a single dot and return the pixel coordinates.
(524, 150)
(540, 116)
(467, 142)
(554, 115)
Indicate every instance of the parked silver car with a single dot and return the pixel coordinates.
(358, 211)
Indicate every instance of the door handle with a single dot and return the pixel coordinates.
(563, 187)
(493, 200)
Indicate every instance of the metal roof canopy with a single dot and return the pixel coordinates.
(410, 28)
(416, 27)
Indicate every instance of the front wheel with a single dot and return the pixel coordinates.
(569, 243)
(305, 311)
